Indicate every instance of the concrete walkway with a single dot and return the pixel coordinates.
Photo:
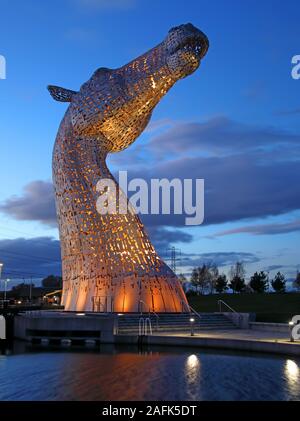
(237, 339)
(239, 334)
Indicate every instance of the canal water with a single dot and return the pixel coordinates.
(125, 373)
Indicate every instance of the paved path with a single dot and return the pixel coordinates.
(235, 339)
(238, 334)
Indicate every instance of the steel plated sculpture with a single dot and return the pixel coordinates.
(108, 261)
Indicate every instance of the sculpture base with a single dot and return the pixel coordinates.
(157, 294)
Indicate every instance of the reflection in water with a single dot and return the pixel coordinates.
(192, 376)
(192, 362)
(292, 370)
(292, 373)
(127, 373)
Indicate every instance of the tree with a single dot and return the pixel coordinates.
(278, 283)
(221, 284)
(237, 277)
(296, 283)
(195, 279)
(259, 281)
(248, 289)
(204, 277)
(237, 284)
(21, 286)
(213, 274)
(22, 290)
(52, 282)
(200, 278)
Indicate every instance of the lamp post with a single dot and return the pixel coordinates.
(5, 287)
(192, 321)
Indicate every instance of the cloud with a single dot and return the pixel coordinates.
(275, 267)
(221, 135)
(104, 5)
(163, 238)
(36, 204)
(36, 257)
(236, 187)
(263, 229)
(155, 125)
(221, 259)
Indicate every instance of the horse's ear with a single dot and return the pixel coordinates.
(61, 94)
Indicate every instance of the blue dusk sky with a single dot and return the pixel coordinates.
(235, 123)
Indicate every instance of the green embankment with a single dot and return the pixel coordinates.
(277, 308)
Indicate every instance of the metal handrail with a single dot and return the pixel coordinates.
(143, 326)
(150, 312)
(191, 309)
(194, 311)
(148, 320)
(157, 317)
(220, 302)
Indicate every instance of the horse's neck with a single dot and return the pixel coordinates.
(119, 236)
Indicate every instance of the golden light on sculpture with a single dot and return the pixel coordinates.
(108, 261)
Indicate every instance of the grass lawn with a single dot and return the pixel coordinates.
(278, 308)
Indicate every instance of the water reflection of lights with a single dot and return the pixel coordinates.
(192, 362)
(192, 376)
(292, 371)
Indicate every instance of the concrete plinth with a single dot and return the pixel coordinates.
(59, 327)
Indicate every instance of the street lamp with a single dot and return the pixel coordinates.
(192, 321)
(5, 287)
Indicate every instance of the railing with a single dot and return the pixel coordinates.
(144, 323)
(190, 309)
(157, 318)
(141, 302)
(220, 302)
